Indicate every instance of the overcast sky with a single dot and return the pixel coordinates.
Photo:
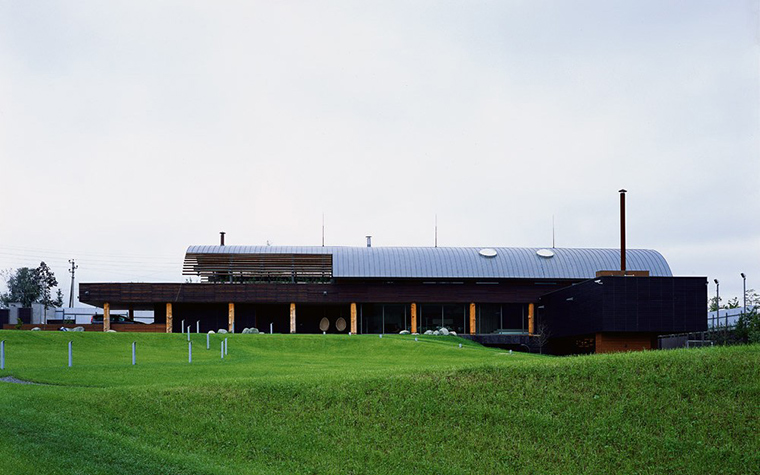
(130, 130)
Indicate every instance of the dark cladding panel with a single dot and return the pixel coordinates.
(628, 304)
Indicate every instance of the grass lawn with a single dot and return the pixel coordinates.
(361, 404)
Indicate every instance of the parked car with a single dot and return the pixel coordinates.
(98, 319)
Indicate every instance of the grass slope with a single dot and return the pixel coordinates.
(361, 404)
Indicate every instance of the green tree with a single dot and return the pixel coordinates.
(28, 286)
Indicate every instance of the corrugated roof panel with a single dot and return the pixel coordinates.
(464, 262)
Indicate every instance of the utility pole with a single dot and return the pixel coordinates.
(73, 269)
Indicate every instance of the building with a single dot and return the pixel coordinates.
(512, 297)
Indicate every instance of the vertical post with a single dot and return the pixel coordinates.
(472, 318)
(134, 353)
(414, 317)
(71, 360)
(106, 316)
(208, 341)
(169, 320)
(183, 325)
(198, 326)
(531, 320)
(188, 333)
(222, 348)
(225, 347)
(231, 317)
(189, 351)
(271, 328)
(353, 318)
(2, 354)
(292, 317)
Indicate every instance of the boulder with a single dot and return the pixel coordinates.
(453, 333)
(211, 332)
(436, 333)
(443, 331)
(403, 332)
(221, 330)
(77, 329)
(251, 331)
(428, 332)
(110, 331)
(36, 329)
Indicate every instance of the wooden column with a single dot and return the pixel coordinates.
(353, 318)
(106, 316)
(292, 318)
(473, 323)
(414, 317)
(531, 320)
(231, 317)
(169, 321)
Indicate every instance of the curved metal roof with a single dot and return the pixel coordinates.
(463, 262)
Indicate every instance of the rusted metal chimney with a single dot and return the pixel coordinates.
(622, 231)
(221, 238)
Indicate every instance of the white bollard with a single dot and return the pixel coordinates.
(71, 360)
(381, 335)
(183, 326)
(208, 341)
(222, 348)
(188, 333)
(271, 328)
(134, 353)
(2, 354)
(226, 347)
(189, 351)
(198, 326)
(460, 345)
(415, 338)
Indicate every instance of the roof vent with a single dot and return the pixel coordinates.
(545, 253)
(487, 252)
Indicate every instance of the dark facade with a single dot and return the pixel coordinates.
(641, 307)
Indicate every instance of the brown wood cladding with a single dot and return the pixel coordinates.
(342, 292)
(259, 266)
(617, 342)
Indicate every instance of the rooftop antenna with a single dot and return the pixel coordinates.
(436, 230)
(323, 229)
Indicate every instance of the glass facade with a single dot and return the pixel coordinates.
(384, 318)
(490, 318)
(502, 318)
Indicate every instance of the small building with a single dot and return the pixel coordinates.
(512, 297)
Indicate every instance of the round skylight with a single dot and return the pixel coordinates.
(545, 253)
(487, 252)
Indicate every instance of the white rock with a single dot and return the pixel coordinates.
(436, 333)
(453, 333)
(221, 330)
(36, 329)
(211, 332)
(428, 332)
(403, 332)
(415, 333)
(77, 329)
(110, 331)
(443, 331)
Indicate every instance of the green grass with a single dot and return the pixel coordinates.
(361, 404)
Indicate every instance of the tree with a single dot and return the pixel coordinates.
(28, 286)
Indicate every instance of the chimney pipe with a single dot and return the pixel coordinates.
(622, 231)
(221, 238)
(369, 241)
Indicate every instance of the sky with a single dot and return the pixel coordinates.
(130, 130)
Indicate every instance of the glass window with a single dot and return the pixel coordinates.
(394, 318)
(454, 317)
(430, 317)
(489, 318)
